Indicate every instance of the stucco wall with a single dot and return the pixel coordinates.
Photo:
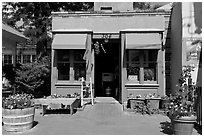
(108, 23)
(176, 45)
(186, 25)
(192, 31)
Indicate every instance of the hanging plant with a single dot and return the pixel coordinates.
(97, 47)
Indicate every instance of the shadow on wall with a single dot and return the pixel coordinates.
(167, 47)
(198, 16)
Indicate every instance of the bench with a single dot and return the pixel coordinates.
(57, 103)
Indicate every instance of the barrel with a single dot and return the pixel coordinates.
(108, 92)
(18, 120)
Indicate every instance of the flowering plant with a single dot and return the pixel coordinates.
(18, 101)
(150, 95)
(182, 101)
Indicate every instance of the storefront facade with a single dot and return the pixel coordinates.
(121, 51)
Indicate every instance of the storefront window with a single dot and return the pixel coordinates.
(71, 65)
(142, 66)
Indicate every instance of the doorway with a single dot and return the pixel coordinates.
(107, 68)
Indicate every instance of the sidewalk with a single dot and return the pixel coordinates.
(105, 117)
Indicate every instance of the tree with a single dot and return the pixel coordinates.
(34, 78)
(141, 5)
(36, 18)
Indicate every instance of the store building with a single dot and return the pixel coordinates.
(120, 49)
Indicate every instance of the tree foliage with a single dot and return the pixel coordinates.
(36, 18)
(141, 5)
(34, 77)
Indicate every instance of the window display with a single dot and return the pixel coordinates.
(142, 66)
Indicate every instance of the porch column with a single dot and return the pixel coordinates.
(123, 76)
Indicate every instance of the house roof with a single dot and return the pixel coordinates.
(166, 7)
(13, 31)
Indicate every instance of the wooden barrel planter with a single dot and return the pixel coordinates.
(183, 125)
(18, 120)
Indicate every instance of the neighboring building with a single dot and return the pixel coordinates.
(187, 46)
(26, 53)
(11, 38)
(186, 38)
(124, 50)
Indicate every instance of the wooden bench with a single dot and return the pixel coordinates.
(58, 102)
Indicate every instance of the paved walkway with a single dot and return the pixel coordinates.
(105, 117)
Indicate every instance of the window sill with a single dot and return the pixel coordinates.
(141, 85)
(68, 83)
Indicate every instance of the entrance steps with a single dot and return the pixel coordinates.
(106, 100)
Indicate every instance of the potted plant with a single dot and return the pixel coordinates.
(18, 112)
(181, 108)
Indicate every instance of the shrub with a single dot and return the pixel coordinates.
(182, 101)
(34, 77)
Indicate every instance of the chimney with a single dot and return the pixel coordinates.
(113, 6)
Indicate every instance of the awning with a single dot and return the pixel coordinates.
(69, 41)
(143, 41)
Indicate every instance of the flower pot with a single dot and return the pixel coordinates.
(18, 120)
(153, 102)
(183, 125)
(134, 101)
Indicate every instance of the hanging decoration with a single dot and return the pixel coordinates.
(98, 45)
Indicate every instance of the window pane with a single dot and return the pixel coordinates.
(33, 58)
(133, 72)
(79, 70)
(7, 59)
(78, 55)
(18, 58)
(63, 71)
(152, 55)
(26, 58)
(63, 55)
(134, 55)
(150, 72)
(63, 65)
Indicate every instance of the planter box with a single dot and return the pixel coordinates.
(134, 101)
(153, 102)
(18, 120)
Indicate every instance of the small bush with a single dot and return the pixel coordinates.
(34, 78)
